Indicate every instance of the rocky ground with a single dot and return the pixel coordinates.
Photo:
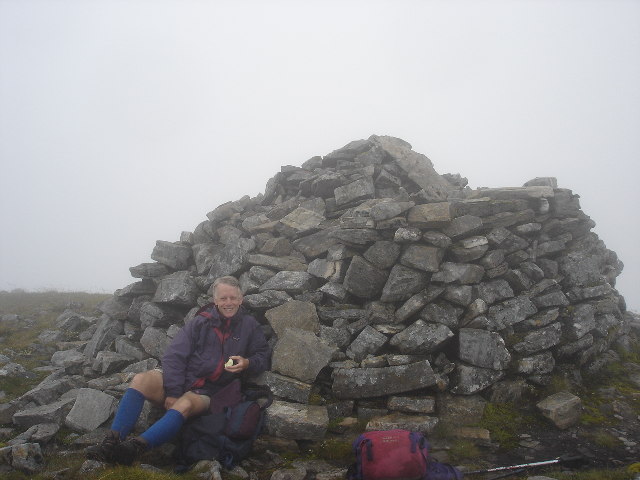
(606, 436)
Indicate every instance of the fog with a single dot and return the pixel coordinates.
(125, 122)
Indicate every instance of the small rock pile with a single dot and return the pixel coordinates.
(387, 291)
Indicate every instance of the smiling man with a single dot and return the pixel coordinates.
(209, 352)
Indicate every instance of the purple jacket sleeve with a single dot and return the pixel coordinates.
(258, 351)
(174, 360)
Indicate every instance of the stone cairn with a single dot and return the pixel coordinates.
(387, 291)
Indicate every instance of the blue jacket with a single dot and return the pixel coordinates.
(196, 350)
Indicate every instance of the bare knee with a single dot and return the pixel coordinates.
(189, 405)
(149, 383)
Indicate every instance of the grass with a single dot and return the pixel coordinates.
(505, 421)
(38, 312)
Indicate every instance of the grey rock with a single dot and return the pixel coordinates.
(321, 268)
(463, 226)
(563, 409)
(383, 254)
(177, 289)
(293, 314)
(442, 312)
(39, 434)
(412, 404)
(539, 364)
(462, 273)
(417, 167)
(353, 383)
(203, 254)
(174, 255)
(414, 304)
(115, 308)
(492, 259)
(359, 190)
(154, 341)
(287, 388)
(91, 409)
(291, 355)
(142, 287)
(581, 321)
(511, 311)
(356, 236)
(407, 235)
(295, 421)
(541, 339)
(334, 291)
(430, 215)
(418, 423)
(551, 299)
(340, 337)
(315, 244)
(50, 413)
(292, 282)
(266, 299)
(402, 283)
(437, 239)
(421, 338)
(389, 209)
(460, 409)
(470, 249)
(422, 257)
(459, 294)
(27, 458)
(483, 349)
(288, 263)
(494, 291)
(302, 220)
(231, 258)
(48, 391)
(110, 362)
(368, 342)
(158, 315)
(364, 280)
(468, 380)
(107, 330)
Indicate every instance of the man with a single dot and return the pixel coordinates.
(221, 342)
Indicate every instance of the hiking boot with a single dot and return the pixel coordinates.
(125, 453)
(103, 452)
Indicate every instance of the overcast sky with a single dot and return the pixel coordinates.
(123, 122)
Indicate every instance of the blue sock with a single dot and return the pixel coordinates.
(164, 429)
(128, 412)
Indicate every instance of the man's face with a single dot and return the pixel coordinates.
(228, 300)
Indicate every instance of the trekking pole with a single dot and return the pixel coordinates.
(565, 459)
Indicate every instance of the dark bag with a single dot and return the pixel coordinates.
(225, 436)
(397, 455)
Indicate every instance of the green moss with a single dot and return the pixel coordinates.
(505, 421)
(600, 474)
(463, 450)
(316, 399)
(333, 450)
(605, 439)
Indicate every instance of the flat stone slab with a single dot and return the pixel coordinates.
(296, 421)
(375, 382)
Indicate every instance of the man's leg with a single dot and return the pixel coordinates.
(167, 427)
(147, 385)
(144, 386)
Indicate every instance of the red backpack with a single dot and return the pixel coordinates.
(397, 455)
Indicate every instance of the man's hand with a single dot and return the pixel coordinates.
(239, 364)
(168, 402)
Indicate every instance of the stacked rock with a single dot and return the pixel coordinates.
(380, 282)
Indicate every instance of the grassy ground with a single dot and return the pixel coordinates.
(37, 311)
